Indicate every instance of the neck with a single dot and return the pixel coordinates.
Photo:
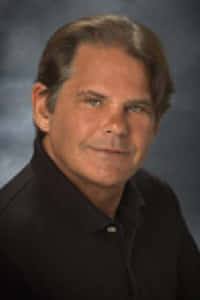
(107, 200)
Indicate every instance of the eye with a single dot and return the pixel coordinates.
(93, 102)
(136, 108)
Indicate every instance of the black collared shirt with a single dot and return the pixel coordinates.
(56, 244)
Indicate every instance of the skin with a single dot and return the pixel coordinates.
(103, 123)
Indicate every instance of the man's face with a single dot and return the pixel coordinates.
(103, 123)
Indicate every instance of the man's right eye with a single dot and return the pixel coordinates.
(93, 102)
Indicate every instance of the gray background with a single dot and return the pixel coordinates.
(24, 29)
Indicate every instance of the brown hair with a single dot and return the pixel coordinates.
(110, 30)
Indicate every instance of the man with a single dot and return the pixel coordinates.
(82, 220)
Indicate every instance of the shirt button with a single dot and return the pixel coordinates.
(112, 228)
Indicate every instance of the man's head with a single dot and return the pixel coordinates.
(136, 39)
(99, 97)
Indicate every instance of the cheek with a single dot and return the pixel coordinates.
(72, 130)
(85, 124)
(142, 133)
(60, 130)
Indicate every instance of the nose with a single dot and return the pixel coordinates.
(116, 123)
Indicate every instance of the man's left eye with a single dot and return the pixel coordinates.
(136, 108)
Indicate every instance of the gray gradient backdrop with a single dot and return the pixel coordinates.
(26, 26)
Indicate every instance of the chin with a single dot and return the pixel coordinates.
(108, 180)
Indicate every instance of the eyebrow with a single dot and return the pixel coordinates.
(92, 93)
(104, 97)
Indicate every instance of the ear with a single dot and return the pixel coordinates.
(41, 115)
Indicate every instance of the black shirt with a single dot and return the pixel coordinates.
(55, 244)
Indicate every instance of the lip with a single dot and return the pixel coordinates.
(116, 151)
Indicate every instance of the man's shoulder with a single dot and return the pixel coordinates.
(16, 186)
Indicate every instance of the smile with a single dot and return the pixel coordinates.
(111, 151)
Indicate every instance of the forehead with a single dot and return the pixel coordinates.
(109, 71)
(109, 62)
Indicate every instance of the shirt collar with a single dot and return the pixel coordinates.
(78, 207)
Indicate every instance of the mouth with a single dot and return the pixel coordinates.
(111, 150)
(111, 158)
